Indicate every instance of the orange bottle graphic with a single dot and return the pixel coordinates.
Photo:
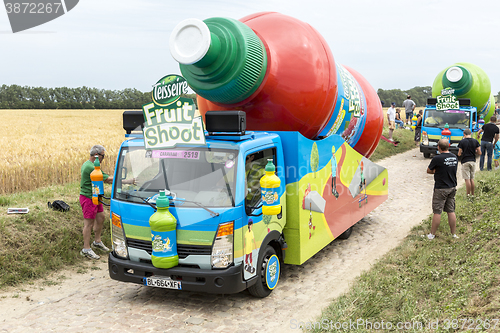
(97, 182)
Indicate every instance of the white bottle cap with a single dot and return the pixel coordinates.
(189, 41)
(454, 74)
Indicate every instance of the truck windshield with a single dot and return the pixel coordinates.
(192, 175)
(454, 118)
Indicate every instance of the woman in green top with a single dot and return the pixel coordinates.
(93, 216)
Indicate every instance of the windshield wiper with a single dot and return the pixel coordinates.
(212, 213)
(174, 198)
(145, 200)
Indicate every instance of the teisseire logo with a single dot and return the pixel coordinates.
(26, 14)
(168, 89)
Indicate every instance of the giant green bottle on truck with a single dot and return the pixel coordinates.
(468, 81)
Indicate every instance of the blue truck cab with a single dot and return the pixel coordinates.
(435, 120)
(207, 198)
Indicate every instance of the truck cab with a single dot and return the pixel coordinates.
(435, 120)
(214, 193)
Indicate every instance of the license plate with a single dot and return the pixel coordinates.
(161, 283)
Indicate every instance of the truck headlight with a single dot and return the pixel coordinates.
(425, 138)
(222, 250)
(118, 237)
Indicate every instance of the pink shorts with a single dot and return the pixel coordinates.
(89, 209)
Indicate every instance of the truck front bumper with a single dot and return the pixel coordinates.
(434, 150)
(221, 281)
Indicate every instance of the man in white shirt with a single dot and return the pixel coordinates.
(391, 117)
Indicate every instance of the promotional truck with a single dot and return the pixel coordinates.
(271, 168)
(462, 98)
(446, 116)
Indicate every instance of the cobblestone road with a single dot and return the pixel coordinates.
(92, 302)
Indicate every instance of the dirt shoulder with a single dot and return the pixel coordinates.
(91, 301)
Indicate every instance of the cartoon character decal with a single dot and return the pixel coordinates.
(362, 186)
(334, 174)
(161, 245)
(249, 246)
(311, 226)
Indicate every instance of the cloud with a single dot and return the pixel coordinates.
(124, 44)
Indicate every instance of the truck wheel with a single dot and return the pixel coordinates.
(427, 155)
(268, 274)
(346, 234)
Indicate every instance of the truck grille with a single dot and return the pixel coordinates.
(183, 250)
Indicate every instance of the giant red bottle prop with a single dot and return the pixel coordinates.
(281, 72)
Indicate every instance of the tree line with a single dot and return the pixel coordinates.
(418, 94)
(24, 97)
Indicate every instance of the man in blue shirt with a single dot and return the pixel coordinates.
(489, 139)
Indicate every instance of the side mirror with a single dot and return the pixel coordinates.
(257, 204)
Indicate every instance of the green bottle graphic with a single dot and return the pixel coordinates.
(222, 59)
(163, 235)
(469, 81)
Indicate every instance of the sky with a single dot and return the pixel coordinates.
(111, 44)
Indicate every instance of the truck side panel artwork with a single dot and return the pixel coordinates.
(316, 215)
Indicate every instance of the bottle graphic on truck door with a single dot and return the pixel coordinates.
(270, 186)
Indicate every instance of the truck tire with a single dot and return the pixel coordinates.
(427, 155)
(268, 273)
(346, 234)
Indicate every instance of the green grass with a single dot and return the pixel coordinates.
(36, 244)
(446, 284)
(386, 149)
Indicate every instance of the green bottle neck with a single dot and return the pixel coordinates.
(233, 62)
(458, 78)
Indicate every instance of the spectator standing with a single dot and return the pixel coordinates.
(444, 168)
(418, 127)
(489, 139)
(468, 148)
(391, 117)
(93, 216)
(409, 107)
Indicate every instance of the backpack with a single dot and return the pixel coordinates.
(59, 205)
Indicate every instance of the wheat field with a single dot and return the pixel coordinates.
(44, 147)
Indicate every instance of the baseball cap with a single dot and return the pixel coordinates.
(393, 103)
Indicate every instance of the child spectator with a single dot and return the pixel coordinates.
(398, 120)
(496, 155)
